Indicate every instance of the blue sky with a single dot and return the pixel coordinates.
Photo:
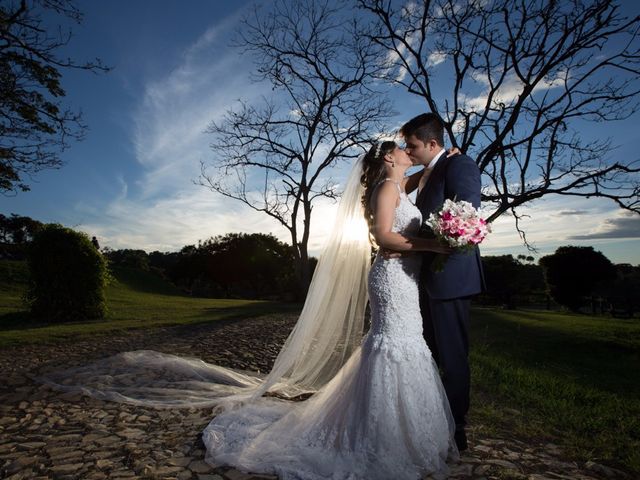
(130, 181)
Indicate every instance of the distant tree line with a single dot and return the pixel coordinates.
(235, 265)
(513, 281)
(580, 279)
(259, 266)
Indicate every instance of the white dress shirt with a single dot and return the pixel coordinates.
(432, 164)
(435, 159)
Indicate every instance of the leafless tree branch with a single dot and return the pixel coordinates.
(276, 156)
(526, 75)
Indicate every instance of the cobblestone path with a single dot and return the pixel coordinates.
(45, 434)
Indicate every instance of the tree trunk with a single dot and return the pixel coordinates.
(303, 272)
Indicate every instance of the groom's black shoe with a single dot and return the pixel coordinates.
(461, 440)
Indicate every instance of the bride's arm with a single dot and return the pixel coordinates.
(385, 202)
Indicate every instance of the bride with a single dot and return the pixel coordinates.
(378, 409)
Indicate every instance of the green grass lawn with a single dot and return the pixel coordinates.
(134, 300)
(568, 379)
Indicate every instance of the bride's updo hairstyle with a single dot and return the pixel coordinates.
(373, 172)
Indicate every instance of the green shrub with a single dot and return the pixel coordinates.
(67, 276)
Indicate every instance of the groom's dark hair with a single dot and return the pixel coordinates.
(427, 126)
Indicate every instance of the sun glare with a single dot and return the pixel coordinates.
(356, 229)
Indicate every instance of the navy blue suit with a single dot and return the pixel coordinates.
(445, 296)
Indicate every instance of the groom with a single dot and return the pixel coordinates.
(445, 296)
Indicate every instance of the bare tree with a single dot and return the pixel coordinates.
(276, 156)
(34, 127)
(524, 77)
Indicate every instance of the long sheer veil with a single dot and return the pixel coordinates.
(328, 330)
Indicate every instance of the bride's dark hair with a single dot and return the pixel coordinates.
(373, 172)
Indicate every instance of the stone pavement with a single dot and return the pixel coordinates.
(45, 434)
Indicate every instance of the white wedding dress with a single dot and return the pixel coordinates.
(383, 416)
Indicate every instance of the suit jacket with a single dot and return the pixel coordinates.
(454, 178)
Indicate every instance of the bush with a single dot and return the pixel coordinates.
(67, 275)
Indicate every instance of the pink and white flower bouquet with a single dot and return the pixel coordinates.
(459, 225)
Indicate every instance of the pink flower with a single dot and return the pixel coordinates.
(458, 224)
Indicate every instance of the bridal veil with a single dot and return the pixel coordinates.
(328, 330)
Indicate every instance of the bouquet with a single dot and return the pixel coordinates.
(459, 225)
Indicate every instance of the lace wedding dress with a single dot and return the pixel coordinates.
(384, 415)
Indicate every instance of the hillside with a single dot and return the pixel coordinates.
(135, 299)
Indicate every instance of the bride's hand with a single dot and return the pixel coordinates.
(453, 151)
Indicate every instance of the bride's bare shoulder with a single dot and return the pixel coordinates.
(386, 193)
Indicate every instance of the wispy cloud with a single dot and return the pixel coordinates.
(169, 223)
(175, 110)
(624, 224)
(563, 213)
(436, 58)
(509, 91)
(162, 208)
(550, 220)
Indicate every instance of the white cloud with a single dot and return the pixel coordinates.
(124, 188)
(175, 111)
(509, 90)
(167, 210)
(176, 220)
(393, 62)
(624, 224)
(436, 58)
(550, 221)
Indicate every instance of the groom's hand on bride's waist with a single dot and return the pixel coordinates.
(388, 254)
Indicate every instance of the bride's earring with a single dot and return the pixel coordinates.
(393, 164)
